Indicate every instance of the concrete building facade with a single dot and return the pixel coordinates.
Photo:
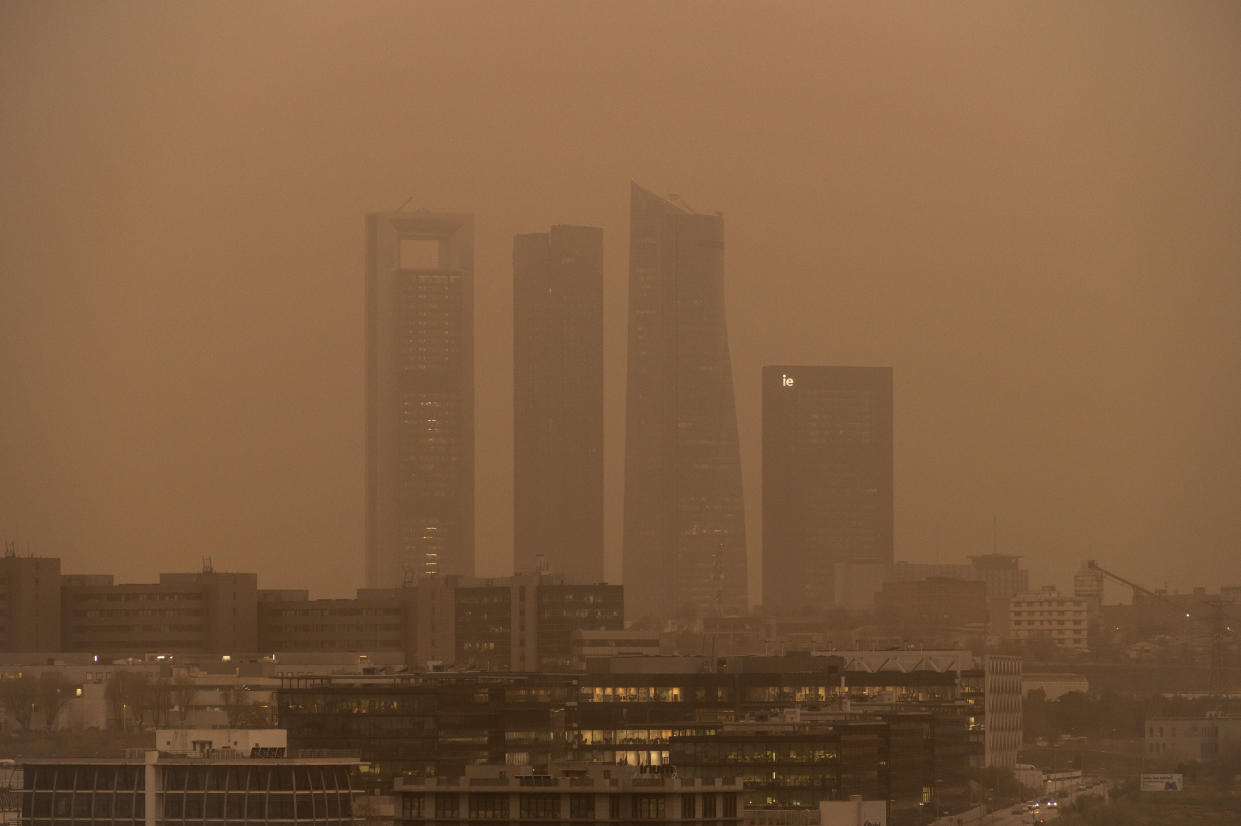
(1048, 614)
(1002, 573)
(30, 618)
(208, 612)
(558, 402)
(1002, 697)
(521, 623)
(932, 603)
(1177, 739)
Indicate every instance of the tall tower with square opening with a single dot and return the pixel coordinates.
(419, 395)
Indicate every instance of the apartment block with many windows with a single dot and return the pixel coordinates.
(1050, 615)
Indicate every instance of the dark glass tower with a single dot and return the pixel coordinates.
(827, 478)
(558, 402)
(684, 530)
(419, 395)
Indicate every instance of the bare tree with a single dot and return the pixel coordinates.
(19, 698)
(184, 690)
(157, 698)
(236, 703)
(128, 697)
(54, 690)
(242, 712)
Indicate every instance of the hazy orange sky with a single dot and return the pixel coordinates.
(1031, 211)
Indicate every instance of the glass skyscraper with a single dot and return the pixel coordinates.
(684, 523)
(558, 402)
(827, 478)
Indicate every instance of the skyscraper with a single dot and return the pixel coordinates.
(684, 529)
(558, 402)
(827, 478)
(419, 395)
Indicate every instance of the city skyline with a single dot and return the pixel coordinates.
(1029, 212)
(680, 411)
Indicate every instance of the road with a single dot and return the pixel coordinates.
(1005, 817)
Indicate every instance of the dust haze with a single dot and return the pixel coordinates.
(1029, 211)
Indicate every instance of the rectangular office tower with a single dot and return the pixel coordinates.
(684, 524)
(558, 402)
(827, 478)
(419, 396)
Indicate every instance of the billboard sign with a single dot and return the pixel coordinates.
(1163, 782)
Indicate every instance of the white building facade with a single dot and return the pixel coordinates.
(1051, 615)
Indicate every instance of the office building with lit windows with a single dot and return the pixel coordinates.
(419, 396)
(827, 478)
(684, 523)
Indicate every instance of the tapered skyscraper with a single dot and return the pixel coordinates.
(558, 402)
(827, 478)
(419, 395)
(684, 531)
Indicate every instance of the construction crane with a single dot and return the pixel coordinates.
(1219, 624)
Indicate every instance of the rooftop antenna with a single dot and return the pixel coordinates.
(207, 568)
(404, 203)
(10, 549)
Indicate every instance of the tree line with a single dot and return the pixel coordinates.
(136, 700)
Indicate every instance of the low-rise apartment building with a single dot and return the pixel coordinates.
(1048, 614)
(1190, 738)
